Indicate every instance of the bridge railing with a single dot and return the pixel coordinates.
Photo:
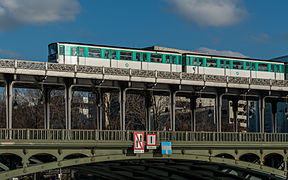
(117, 135)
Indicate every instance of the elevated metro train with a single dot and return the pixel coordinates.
(171, 61)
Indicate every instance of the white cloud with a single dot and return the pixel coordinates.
(221, 53)
(210, 12)
(14, 13)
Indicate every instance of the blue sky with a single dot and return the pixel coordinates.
(256, 29)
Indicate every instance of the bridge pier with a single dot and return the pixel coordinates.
(148, 103)
(172, 109)
(261, 109)
(68, 103)
(274, 116)
(46, 93)
(9, 100)
(193, 113)
(218, 104)
(100, 109)
(235, 111)
(122, 102)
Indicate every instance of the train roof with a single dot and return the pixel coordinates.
(140, 49)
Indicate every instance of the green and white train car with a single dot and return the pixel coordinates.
(229, 66)
(117, 57)
(144, 59)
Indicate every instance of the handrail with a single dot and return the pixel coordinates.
(117, 135)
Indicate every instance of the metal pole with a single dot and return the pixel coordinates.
(122, 101)
(193, 114)
(235, 110)
(68, 104)
(218, 104)
(47, 108)
(9, 101)
(172, 110)
(274, 116)
(261, 113)
(148, 110)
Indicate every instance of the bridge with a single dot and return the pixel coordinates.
(258, 154)
(229, 155)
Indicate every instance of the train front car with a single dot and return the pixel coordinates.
(238, 67)
(117, 57)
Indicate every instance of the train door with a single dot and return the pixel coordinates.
(139, 59)
(74, 56)
(113, 58)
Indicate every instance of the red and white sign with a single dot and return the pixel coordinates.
(151, 141)
(138, 142)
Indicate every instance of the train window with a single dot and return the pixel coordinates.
(195, 61)
(145, 57)
(200, 61)
(253, 66)
(263, 67)
(52, 49)
(180, 60)
(81, 51)
(222, 64)
(211, 62)
(188, 61)
(277, 68)
(227, 64)
(174, 61)
(247, 66)
(61, 50)
(272, 68)
(137, 56)
(156, 58)
(114, 55)
(107, 54)
(74, 51)
(96, 53)
(125, 55)
(167, 59)
(237, 65)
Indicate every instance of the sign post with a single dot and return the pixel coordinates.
(138, 142)
(151, 141)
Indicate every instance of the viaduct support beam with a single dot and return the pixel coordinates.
(261, 110)
(193, 113)
(148, 104)
(235, 110)
(99, 109)
(122, 102)
(172, 109)
(218, 104)
(9, 100)
(46, 103)
(274, 116)
(68, 103)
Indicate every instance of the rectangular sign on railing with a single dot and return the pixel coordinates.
(151, 141)
(138, 142)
